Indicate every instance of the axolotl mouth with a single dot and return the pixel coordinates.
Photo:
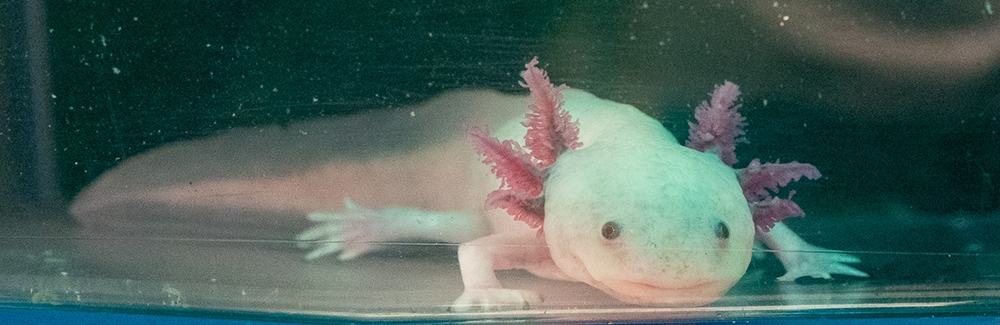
(673, 295)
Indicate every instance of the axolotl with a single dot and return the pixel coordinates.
(604, 194)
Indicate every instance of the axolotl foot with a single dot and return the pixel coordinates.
(818, 263)
(802, 259)
(357, 230)
(350, 233)
(495, 299)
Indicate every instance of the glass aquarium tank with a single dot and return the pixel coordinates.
(389, 161)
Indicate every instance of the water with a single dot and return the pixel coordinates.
(896, 104)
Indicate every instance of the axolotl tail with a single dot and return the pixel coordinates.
(260, 183)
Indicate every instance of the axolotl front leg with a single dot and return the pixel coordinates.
(479, 259)
(358, 230)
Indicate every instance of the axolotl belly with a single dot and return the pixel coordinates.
(628, 210)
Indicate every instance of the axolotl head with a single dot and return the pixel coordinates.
(648, 222)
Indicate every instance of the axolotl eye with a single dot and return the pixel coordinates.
(610, 230)
(721, 230)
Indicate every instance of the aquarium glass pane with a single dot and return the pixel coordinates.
(530, 161)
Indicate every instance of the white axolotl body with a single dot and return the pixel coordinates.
(631, 211)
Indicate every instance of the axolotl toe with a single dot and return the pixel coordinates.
(600, 193)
